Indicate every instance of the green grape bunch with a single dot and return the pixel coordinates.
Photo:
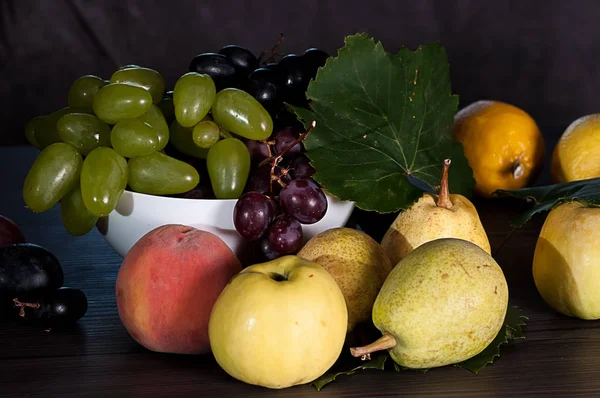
(202, 139)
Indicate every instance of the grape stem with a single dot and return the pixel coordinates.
(271, 51)
(276, 159)
(287, 149)
(23, 305)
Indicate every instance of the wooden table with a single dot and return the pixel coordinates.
(560, 356)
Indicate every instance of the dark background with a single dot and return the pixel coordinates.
(540, 55)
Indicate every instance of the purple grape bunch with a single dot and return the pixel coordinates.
(279, 198)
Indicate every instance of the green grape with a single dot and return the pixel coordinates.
(206, 134)
(193, 97)
(181, 138)
(76, 218)
(119, 101)
(46, 132)
(132, 138)
(30, 129)
(82, 91)
(147, 78)
(228, 164)
(159, 174)
(166, 106)
(156, 120)
(85, 132)
(240, 113)
(128, 66)
(53, 174)
(103, 180)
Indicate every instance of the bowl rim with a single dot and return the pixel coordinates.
(162, 197)
(170, 198)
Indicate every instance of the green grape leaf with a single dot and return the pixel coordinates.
(348, 365)
(383, 125)
(511, 330)
(376, 363)
(545, 198)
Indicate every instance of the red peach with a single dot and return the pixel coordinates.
(168, 284)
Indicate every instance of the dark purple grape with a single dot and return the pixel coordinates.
(267, 250)
(10, 233)
(258, 150)
(293, 72)
(28, 269)
(286, 137)
(217, 66)
(272, 66)
(304, 200)
(294, 78)
(60, 307)
(259, 181)
(313, 58)
(284, 119)
(264, 85)
(242, 59)
(300, 168)
(201, 191)
(252, 215)
(285, 235)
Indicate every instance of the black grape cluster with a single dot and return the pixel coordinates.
(271, 84)
(280, 194)
(31, 283)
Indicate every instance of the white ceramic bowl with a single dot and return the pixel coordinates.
(137, 214)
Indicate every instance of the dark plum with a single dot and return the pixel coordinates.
(28, 269)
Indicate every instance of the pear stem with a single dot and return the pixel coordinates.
(385, 342)
(444, 196)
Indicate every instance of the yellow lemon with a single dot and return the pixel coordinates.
(502, 143)
(576, 156)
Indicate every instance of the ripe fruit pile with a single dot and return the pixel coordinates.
(31, 282)
(222, 131)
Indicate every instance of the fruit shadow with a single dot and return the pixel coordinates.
(513, 248)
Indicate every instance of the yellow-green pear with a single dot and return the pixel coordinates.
(566, 261)
(357, 263)
(442, 304)
(434, 217)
